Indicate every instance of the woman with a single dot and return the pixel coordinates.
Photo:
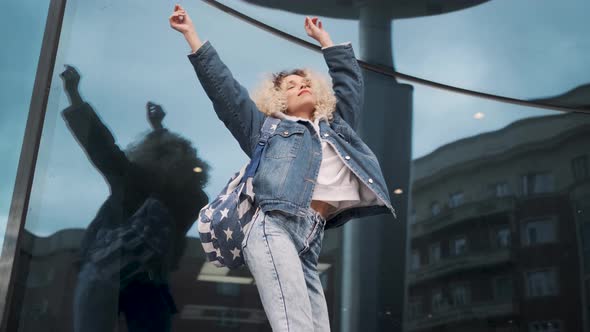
(315, 173)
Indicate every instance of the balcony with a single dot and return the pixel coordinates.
(451, 216)
(473, 311)
(456, 264)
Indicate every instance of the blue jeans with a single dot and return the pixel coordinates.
(282, 252)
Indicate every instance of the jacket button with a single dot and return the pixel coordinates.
(286, 133)
(370, 180)
(326, 135)
(347, 157)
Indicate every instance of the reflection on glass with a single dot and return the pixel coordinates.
(499, 229)
(138, 235)
(511, 238)
(69, 191)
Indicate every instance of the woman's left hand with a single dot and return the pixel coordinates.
(314, 29)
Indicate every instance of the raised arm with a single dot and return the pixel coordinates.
(347, 78)
(231, 100)
(92, 135)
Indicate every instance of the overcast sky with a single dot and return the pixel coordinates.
(127, 55)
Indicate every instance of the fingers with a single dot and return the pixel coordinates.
(177, 17)
(70, 77)
(178, 11)
(313, 23)
(69, 71)
(152, 106)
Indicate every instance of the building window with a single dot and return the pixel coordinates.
(456, 199)
(459, 246)
(503, 288)
(580, 167)
(438, 302)
(415, 260)
(501, 189)
(460, 295)
(539, 232)
(502, 237)
(541, 283)
(434, 253)
(538, 183)
(435, 208)
(545, 326)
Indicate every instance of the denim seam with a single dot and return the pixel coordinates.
(222, 95)
(276, 273)
(251, 226)
(306, 243)
(346, 56)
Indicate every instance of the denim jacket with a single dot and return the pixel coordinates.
(290, 164)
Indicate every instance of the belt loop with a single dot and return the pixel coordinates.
(319, 217)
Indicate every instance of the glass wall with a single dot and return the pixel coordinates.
(127, 56)
(495, 235)
(21, 32)
(492, 198)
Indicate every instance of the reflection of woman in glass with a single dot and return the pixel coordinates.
(315, 173)
(161, 165)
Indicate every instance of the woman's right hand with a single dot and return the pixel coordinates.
(180, 21)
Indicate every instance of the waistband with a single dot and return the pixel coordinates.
(315, 215)
(308, 213)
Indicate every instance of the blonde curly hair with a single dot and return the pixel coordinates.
(270, 97)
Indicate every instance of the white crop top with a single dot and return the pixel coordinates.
(336, 184)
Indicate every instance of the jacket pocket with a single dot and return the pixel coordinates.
(285, 142)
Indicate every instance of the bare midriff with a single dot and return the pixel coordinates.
(321, 207)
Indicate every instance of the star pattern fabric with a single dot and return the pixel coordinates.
(228, 234)
(221, 222)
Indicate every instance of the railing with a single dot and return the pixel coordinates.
(455, 264)
(451, 216)
(472, 311)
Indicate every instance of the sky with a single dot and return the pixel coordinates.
(127, 54)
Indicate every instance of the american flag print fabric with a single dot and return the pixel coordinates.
(221, 223)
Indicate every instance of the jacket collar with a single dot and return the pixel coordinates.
(283, 116)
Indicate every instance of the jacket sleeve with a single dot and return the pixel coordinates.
(97, 141)
(347, 81)
(231, 100)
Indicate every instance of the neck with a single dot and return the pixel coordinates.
(302, 114)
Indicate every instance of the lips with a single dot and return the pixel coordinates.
(303, 91)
